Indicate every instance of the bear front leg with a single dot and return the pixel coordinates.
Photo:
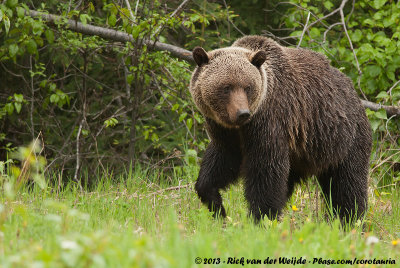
(267, 168)
(219, 168)
(266, 188)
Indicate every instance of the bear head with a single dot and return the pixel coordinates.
(229, 84)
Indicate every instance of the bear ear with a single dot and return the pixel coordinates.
(200, 56)
(258, 58)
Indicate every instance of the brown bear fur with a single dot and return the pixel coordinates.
(304, 119)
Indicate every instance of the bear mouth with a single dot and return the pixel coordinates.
(225, 121)
(236, 124)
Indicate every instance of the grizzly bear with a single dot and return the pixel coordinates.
(276, 115)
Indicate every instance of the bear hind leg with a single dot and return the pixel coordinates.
(345, 187)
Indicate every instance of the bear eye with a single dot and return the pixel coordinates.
(227, 89)
(247, 89)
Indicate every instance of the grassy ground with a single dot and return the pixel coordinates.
(135, 221)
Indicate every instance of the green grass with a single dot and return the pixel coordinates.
(149, 219)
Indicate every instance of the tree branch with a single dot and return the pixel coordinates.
(390, 110)
(113, 35)
(351, 46)
(78, 156)
(304, 30)
(176, 12)
(178, 52)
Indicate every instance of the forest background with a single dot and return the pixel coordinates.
(96, 104)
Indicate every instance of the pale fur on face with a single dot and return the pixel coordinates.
(227, 67)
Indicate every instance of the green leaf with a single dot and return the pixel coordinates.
(296, 33)
(381, 114)
(390, 21)
(12, 3)
(379, 3)
(49, 36)
(12, 50)
(356, 36)
(175, 107)
(369, 22)
(182, 116)
(189, 123)
(367, 49)
(1, 15)
(390, 49)
(376, 192)
(129, 78)
(382, 40)
(91, 7)
(371, 85)
(154, 137)
(18, 97)
(9, 107)
(396, 93)
(54, 98)
(191, 153)
(112, 20)
(20, 12)
(191, 156)
(52, 87)
(198, 118)
(82, 17)
(135, 32)
(37, 28)
(378, 15)
(328, 5)
(375, 124)
(111, 122)
(18, 106)
(85, 132)
(391, 76)
(146, 134)
(383, 95)
(373, 70)
(315, 33)
(6, 23)
(31, 46)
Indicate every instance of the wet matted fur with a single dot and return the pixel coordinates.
(305, 119)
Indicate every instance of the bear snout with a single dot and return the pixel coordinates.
(238, 107)
(242, 116)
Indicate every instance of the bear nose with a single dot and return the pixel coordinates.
(242, 116)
